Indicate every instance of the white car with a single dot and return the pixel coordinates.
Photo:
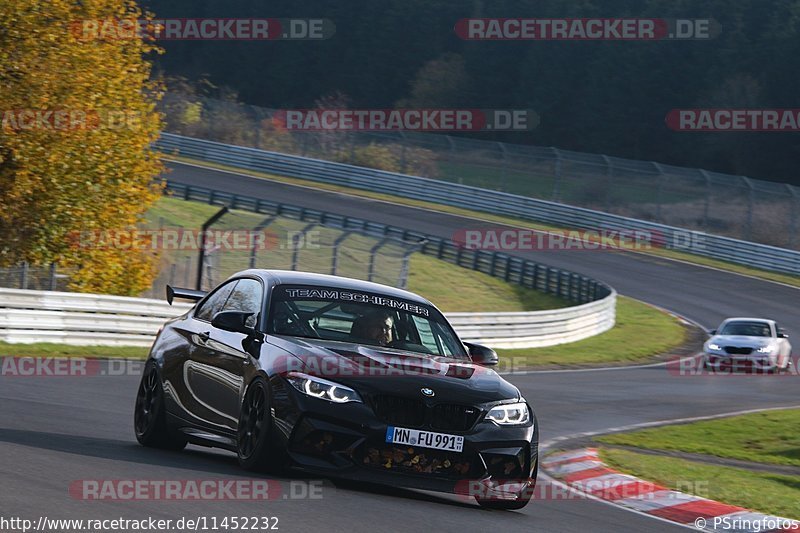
(755, 342)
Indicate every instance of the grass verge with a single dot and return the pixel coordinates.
(527, 224)
(769, 437)
(764, 492)
(46, 349)
(641, 332)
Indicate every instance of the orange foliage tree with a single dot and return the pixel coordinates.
(77, 105)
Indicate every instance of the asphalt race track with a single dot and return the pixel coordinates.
(56, 430)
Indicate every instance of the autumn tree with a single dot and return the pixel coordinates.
(78, 120)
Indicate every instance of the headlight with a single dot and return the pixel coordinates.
(713, 346)
(765, 349)
(322, 388)
(510, 414)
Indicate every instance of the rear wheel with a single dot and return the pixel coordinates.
(149, 418)
(255, 430)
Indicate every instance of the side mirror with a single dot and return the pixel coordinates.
(783, 335)
(712, 332)
(482, 355)
(233, 321)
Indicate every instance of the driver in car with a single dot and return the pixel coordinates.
(374, 326)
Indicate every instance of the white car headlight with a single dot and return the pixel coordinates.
(712, 346)
(766, 349)
(322, 388)
(510, 414)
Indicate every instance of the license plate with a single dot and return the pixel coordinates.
(425, 439)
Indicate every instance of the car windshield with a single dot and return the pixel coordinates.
(361, 317)
(750, 329)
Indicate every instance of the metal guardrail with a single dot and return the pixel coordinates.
(90, 319)
(473, 198)
(734, 206)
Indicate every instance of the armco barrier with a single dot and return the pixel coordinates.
(717, 247)
(90, 319)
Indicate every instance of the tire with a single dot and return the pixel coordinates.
(149, 416)
(254, 433)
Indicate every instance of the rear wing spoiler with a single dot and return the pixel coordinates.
(186, 294)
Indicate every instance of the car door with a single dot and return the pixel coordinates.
(215, 372)
(196, 333)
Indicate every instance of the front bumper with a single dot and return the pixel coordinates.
(348, 441)
(741, 362)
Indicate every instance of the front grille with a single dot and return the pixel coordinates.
(447, 417)
(398, 411)
(738, 350)
(405, 412)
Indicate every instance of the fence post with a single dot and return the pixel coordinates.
(750, 201)
(23, 280)
(404, 269)
(295, 244)
(609, 181)
(202, 254)
(336, 244)
(660, 191)
(707, 205)
(372, 253)
(53, 280)
(253, 249)
(557, 178)
(793, 220)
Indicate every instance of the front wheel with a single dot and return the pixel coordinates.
(149, 417)
(255, 430)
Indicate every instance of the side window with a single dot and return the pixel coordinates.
(246, 296)
(426, 336)
(213, 304)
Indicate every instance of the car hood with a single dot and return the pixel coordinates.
(742, 341)
(378, 370)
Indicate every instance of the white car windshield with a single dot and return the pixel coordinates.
(749, 329)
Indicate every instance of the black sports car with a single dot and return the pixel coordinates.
(340, 377)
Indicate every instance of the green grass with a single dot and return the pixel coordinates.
(453, 288)
(45, 349)
(641, 332)
(770, 437)
(488, 217)
(764, 492)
